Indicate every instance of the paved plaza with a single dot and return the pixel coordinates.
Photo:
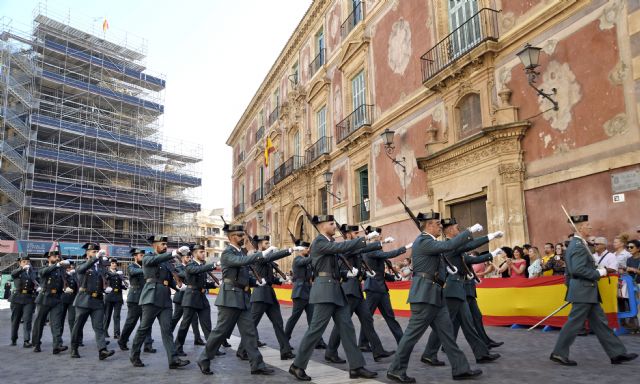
(525, 359)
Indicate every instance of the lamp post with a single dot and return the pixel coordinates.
(387, 139)
(530, 56)
(328, 175)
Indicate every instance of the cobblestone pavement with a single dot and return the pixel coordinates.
(525, 359)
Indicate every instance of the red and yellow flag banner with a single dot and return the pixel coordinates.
(268, 149)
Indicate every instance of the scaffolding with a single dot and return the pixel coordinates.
(82, 155)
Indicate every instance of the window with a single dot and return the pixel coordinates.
(362, 209)
(276, 98)
(294, 74)
(261, 116)
(358, 99)
(320, 46)
(321, 122)
(469, 114)
(323, 203)
(297, 150)
(466, 37)
(216, 231)
(261, 180)
(217, 243)
(242, 194)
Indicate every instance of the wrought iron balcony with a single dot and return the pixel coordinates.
(268, 186)
(362, 116)
(317, 63)
(481, 27)
(274, 115)
(238, 209)
(257, 195)
(259, 134)
(355, 17)
(361, 212)
(319, 148)
(287, 168)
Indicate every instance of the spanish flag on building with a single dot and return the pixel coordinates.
(105, 25)
(268, 148)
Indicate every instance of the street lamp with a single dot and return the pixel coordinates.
(260, 216)
(530, 56)
(328, 175)
(387, 139)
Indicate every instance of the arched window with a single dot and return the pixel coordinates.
(469, 114)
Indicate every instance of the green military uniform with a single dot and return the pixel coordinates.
(49, 302)
(584, 296)
(234, 304)
(155, 300)
(113, 302)
(178, 310)
(264, 300)
(194, 302)
(22, 302)
(455, 294)
(427, 301)
(68, 310)
(329, 301)
(134, 310)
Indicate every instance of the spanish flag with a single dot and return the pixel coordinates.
(268, 148)
(105, 25)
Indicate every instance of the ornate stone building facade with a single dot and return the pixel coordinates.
(475, 140)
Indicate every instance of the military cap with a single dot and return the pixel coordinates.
(195, 247)
(578, 219)
(349, 228)
(25, 257)
(448, 221)
(317, 219)
(157, 239)
(233, 228)
(113, 260)
(261, 238)
(135, 251)
(370, 229)
(91, 246)
(428, 216)
(51, 253)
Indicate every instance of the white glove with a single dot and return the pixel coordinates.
(475, 228)
(184, 250)
(102, 253)
(353, 272)
(108, 290)
(496, 252)
(71, 272)
(26, 266)
(68, 290)
(290, 250)
(408, 246)
(104, 258)
(119, 273)
(269, 250)
(388, 240)
(371, 274)
(299, 248)
(371, 235)
(218, 263)
(64, 263)
(281, 280)
(183, 287)
(495, 235)
(261, 282)
(38, 289)
(397, 278)
(452, 271)
(602, 272)
(174, 253)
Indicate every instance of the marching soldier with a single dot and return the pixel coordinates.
(185, 258)
(353, 290)
(155, 301)
(68, 296)
(330, 301)
(49, 302)
(455, 296)
(22, 300)
(377, 290)
(584, 296)
(302, 279)
(134, 311)
(89, 301)
(476, 314)
(234, 304)
(426, 299)
(263, 298)
(113, 301)
(194, 301)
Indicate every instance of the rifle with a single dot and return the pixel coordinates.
(386, 261)
(308, 216)
(293, 238)
(452, 268)
(255, 248)
(364, 263)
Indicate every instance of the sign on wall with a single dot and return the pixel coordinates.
(71, 249)
(625, 181)
(34, 247)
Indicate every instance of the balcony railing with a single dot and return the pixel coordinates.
(274, 115)
(319, 148)
(257, 195)
(352, 20)
(481, 27)
(268, 186)
(362, 116)
(287, 168)
(361, 212)
(259, 134)
(317, 63)
(240, 157)
(238, 209)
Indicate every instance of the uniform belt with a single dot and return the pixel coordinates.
(430, 277)
(202, 290)
(325, 274)
(26, 291)
(94, 294)
(154, 280)
(236, 284)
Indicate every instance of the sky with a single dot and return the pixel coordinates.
(214, 54)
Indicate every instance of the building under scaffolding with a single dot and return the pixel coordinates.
(81, 153)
